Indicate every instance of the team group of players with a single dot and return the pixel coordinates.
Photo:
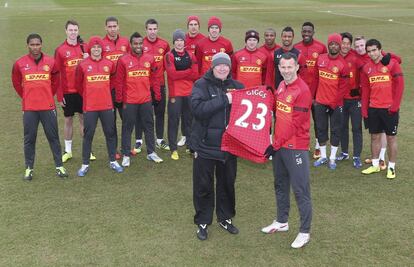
(114, 74)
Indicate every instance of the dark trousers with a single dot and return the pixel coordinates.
(31, 121)
(352, 110)
(119, 108)
(203, 189)
(180, 108)
(90, 120)
(327, 117)
(314, 120)
(143, 113)
(291, 167)
(159, 111)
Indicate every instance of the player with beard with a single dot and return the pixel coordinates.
(331, 83)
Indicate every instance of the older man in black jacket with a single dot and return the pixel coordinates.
(210, 103)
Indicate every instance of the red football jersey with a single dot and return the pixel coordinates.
(250, 123)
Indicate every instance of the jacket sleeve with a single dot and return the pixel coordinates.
(234, 67)
(202, 106)
(155, 82)
(343, 86)
(55, 78)
(119, 81)
(397, 87)
(315, 81)
(58, 63)
(300, 115)
(270, 74)
(194, 68)
(365, 92)
(17, 79)
(79, 79)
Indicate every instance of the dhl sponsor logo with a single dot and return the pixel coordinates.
(379, 79)
(310, 63)
(208, 58)
(138, 73)
(36, 77)
(249, 69)
(73, 62)
(158, 58)
(114, 57)
(327, 75)
(98, 78)
(283, 107)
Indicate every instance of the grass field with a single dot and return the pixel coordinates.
(144, 217)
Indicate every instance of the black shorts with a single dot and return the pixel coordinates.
(73, 103)
(380, 121)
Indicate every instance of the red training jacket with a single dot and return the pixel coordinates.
(191, 42)
(293, 104)
(382, 86)
(114, 49)
(67, 58)
(157, 49)
(135, 78)
(331, 80)
(35, 83)
(94, 81)
(206, 49)
(311, 53)
(248, 67)
(180, 82)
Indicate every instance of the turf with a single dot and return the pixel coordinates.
(144, 217)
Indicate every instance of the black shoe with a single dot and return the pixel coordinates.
(202, 231)
(227, 225)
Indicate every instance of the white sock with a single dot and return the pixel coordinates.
(84, 166)
(334, 149)
(323, 151)
(68, 146)
(138, 141)
(391, 165)
(382, 153)
(316, 143)
(375, 162)
(159, 140)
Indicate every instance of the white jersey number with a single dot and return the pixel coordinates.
(241, 122)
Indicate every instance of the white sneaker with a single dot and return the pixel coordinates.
(275, 227)
(301, 240)
(126, 161)
(182, 141)
(154, 157)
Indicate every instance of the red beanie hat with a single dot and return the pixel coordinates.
(95, 40)
(335, 37)
(214, 21)
(193, 17)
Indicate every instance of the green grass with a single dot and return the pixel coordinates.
(144, 217)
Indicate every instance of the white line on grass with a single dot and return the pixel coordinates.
(365, 17)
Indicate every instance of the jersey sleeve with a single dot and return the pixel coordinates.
(17, 79)
(397, 87)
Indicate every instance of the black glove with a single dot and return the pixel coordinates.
(118, 105)
(269, 152)
(366, 125)
(386, 59)
(355, 92)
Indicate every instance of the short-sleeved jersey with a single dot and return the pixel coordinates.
(250, 123)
